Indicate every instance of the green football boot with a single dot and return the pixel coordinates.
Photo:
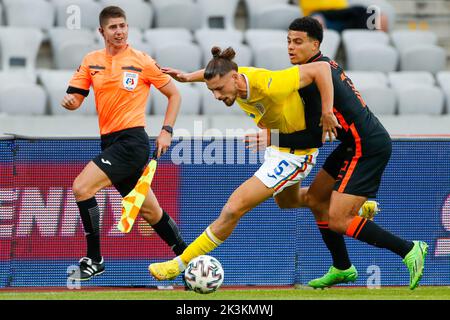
(415, 261)
(334, 276)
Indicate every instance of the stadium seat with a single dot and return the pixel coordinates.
(416, 93)
(212, 106)
(69, 13)
(70, 46)
(373, 87)
(190, 100)
(405, 79)
(34, 14)
(20, 47)
(18, 76)
(368, 50)
(261, 37)
(55, 83)
(254, 6)
(403, 39)
(276, 16)
(272, 57)
(419, 50)
(139, 13)
(207, 38)
(70, 54)
(177, 14)
(174, 55)
(330, 43)
(22, 98)
(372, 57)
(161, 36)
(355, 37)
(218, 13)
(429, 58)
(443, 78)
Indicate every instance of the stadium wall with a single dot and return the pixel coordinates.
(41, 236)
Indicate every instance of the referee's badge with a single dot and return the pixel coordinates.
(130, 80)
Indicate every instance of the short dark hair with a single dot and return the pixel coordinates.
(311, 26)
(221, 63)
(111, 12)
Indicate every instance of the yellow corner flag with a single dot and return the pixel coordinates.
(132, 203)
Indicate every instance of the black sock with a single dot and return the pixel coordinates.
(90, 216)
(168, 230)
(336, 245)
(369, 232)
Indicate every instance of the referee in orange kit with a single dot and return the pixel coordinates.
(121, 78)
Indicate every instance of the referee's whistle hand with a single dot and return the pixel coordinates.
(70, 102)
(163, 142)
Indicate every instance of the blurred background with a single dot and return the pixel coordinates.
(401, 69)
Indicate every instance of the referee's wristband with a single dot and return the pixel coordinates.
(169, 129)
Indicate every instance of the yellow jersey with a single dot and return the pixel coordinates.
(310, 6)
(273, 100)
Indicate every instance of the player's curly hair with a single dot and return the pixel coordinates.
(310, 25)
(221, 63)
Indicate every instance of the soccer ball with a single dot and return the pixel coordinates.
(204, 274)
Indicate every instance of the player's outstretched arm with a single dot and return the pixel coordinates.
(196, 76)
(72, 101)
(320, 74)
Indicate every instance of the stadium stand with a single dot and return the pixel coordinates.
(369, 51)
(177, 14)
(189, 95)
(218, 13)
(54, 42)
(20, 47)
(417, 93)
(260, 10)
(22, 13)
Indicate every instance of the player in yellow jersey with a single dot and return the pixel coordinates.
(271, 98)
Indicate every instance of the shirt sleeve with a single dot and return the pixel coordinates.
(81, 80)
(279, 84)
(153, 74)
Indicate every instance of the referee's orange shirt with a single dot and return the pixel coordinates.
(121, 86)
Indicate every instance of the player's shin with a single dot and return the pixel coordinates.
(205, 243)
(336, 245)
(90, 216)
(369, 232)
(168, 231)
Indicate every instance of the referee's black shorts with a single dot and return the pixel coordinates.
(358, 166)
(124, 156)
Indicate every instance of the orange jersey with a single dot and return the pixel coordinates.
(121, 86)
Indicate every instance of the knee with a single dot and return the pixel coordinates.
(81, 190)
(338, 225)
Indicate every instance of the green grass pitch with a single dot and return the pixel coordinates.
(340, 293)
